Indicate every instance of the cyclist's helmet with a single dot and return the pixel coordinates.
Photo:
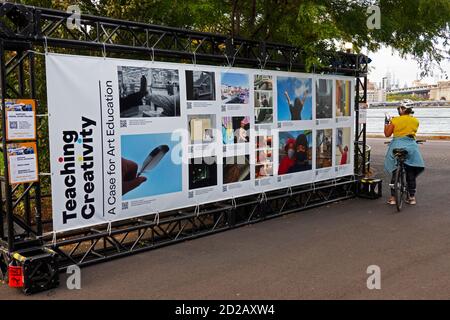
(408, 106)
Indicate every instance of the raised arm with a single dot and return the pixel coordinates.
(286, 94)
(305, 96)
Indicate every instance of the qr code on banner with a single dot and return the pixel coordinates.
(13, 125)
(124, 205)
(123, 123)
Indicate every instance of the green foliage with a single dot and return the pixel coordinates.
(400, 97)
(416, 27)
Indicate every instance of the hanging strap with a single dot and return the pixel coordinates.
(263, 197)
(156, 220)
(109, 228)
(233, 203)
(289, 191)
(152, 53)
(45, 45)
(104, 50)
(197, 210)
(53, 238)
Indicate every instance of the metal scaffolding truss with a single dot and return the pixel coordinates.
(39, 26)
(136, 235)
(25, 31)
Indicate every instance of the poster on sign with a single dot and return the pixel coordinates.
(136, 138)
(22, 162)
(20, 119)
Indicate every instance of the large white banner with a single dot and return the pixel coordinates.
(131, 138)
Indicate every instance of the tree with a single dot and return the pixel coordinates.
(416, 27)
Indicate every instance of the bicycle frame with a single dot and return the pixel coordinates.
(400, 183)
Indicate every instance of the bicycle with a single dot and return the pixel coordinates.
(400, 186)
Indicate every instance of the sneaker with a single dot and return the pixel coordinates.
(391, 201)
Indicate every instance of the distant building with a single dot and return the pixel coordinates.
(385, 83)
(375, 94)
(441, 91)
(418, 83)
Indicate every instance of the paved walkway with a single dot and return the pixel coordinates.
(322, 253)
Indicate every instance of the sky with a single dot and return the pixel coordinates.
(235, 79)
(407, 70)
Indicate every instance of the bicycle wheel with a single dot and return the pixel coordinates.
(400, 187)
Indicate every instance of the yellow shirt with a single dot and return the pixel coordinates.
(405, 125)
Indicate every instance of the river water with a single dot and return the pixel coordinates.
(433, 121)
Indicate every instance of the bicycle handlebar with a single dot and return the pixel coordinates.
(417, 141)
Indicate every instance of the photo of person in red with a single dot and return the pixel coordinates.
(344, 155)
(343, 139)
(295, 151)
(289, 159)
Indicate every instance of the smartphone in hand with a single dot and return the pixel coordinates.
(387, 119)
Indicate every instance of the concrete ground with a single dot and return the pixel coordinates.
(319, 254)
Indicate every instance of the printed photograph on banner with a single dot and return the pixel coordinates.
(20, 119)
(202, 172)
(324, 98)
(343, 141)
(151, 165)
(324, 148)
(236, 169)
(202, 128)
(295, 151)
(263, 102)
(148, 92)
(343, 98)
(235, 88)
(200, 85)
(263, 156)
(235, 130)
(294, 98)
(22, 162)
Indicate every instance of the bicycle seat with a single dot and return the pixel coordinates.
(400, 152)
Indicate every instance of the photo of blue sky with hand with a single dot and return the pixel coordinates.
(166, 177)
(296, 88)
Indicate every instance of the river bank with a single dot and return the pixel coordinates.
(433, 121)
(419, 137)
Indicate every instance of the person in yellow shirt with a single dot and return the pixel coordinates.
(404, 129)
(405, 125)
